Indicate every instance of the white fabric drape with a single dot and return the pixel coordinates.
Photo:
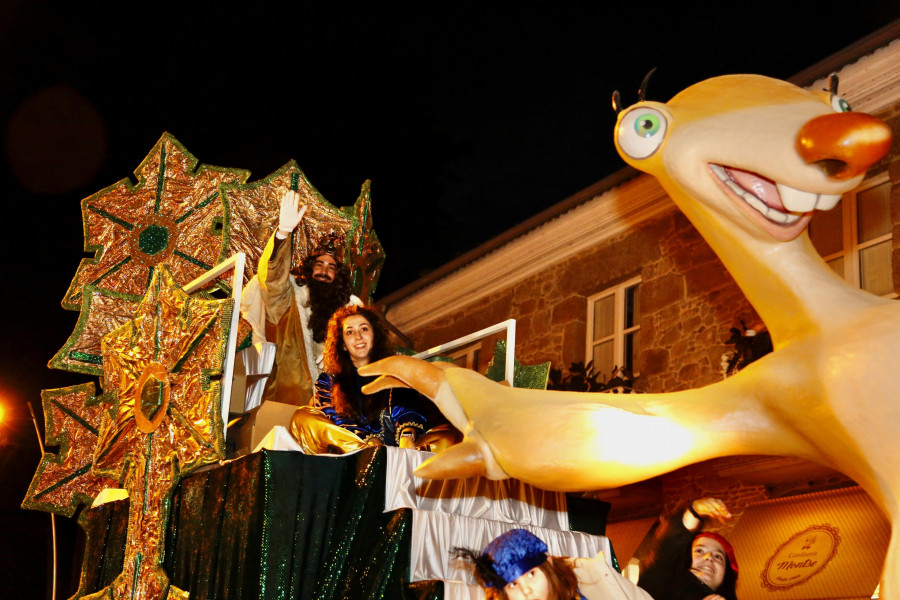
(258, 360)
(435, 533)
(507, 501)
(455, 590)
(279, 438)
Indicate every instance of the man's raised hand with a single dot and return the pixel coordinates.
(290, 215)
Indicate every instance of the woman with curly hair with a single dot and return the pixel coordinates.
(341, 418)
(515, 566)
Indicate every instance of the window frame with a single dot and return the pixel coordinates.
(851, 246)
(470, 353)
(619, 329)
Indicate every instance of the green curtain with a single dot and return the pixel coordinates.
(284, 526)
(275, 525)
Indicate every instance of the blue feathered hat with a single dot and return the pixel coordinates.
(513, 554)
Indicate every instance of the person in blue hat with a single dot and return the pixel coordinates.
(516, 566)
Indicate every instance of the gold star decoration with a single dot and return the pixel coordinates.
(147, 238)
(163, 369)
(174, 214)
(253, 210)
(101, 312)
(366, 256)
(63, 481)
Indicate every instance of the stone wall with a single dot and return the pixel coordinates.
(688, 304)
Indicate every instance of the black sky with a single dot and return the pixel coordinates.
(467, 118)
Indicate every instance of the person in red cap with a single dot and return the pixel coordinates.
(685, 563)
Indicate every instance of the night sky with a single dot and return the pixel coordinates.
(467, 119)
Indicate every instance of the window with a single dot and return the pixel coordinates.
(468, 356)
(614, 327)
(854, 237)
(478, 354)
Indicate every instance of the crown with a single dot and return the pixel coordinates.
(345, 233)
(330, 243)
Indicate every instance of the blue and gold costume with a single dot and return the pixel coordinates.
(403, 408)
(319, 428)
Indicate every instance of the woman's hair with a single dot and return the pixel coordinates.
(727, 589)
(345, 394)
(561, 581)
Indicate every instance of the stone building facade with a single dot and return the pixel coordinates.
(625, 229)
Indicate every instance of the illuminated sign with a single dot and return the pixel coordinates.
(803, 556)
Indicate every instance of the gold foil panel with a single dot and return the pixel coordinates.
(64, 480)
(191, 217)
(366, 256)
(174, 214)
(187, 336)
(101, 312)
(253, 216)
(166, 419)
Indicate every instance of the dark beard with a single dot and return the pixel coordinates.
(324, 298)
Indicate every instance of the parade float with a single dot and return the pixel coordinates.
(176, 505)
(746, 158)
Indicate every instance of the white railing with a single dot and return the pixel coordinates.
(236, 262)
(509, 326)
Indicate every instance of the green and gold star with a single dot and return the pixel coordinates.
(64, 480)
(163, 369)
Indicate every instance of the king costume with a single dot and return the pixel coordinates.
(273, 300)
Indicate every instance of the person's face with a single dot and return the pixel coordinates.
(358, 338)
(324, 268)
(708, 560)
(532, 585)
